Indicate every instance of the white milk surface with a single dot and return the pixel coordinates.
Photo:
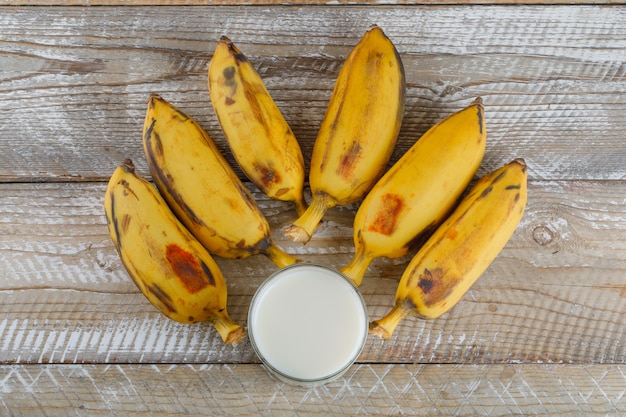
(308, 322)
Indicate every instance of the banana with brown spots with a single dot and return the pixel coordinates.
(461, 249)
(170, 267)
(201, 187)
(359, 130)
(419, 190)
(258, 135)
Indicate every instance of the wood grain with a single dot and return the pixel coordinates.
(383, 390)
(76, 80)
(327, 3)
(556, 294)
(541, 333)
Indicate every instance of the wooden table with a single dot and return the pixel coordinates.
(541, 333)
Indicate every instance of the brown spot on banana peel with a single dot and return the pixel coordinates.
(486, 191)
(231, 80)
(177, 112)
(421, 237)
(162, 296)
(251, 92)
(499, 177)
(150, 136)
(452, 234)
(247, 197)
(208, 274)
(280, 192)
(259, 247)
(435, 285)
(181, 115)
(128, 166)
(231, 83)
(229, 77)
(113, 217)
(386, 218)
(233, 50)
(193, 275)
(348, 160)
(125, 223)
(425, 281)
(373, 62)
(267, 176)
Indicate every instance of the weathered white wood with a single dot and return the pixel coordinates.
(326, 3)
(556, 294)
(541, 333)
(75, 81)
(381, 390)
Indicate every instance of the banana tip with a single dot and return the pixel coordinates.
(374, 27)
(520, 161)
(128, 165)
(154, 96)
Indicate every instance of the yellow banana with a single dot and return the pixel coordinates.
(256, 131)
(419, 190)
(202, 189)
(358, 132)
(170, 267)
(461, 249)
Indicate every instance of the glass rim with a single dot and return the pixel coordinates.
(281, 374)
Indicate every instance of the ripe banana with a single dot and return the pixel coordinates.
(170, 267)
(413, 197)
(461, 249)
(358, 132)
(256, 131)
(202, 189)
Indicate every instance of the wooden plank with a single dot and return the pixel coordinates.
(556, 294)
(327, 3)
(199, 390)
(75, 80)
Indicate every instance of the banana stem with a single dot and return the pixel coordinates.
(357, 266)
(302, 229)
(230, 332)
(385, 326)
(279, 257)
(301, 205)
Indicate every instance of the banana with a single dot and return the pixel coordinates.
(170, 267)
(202, 189)
(413, 197)
(358, 132)
(461, 249)
(260, 139)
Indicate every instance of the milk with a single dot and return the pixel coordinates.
(307, 323)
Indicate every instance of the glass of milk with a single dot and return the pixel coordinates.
(308, 324)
